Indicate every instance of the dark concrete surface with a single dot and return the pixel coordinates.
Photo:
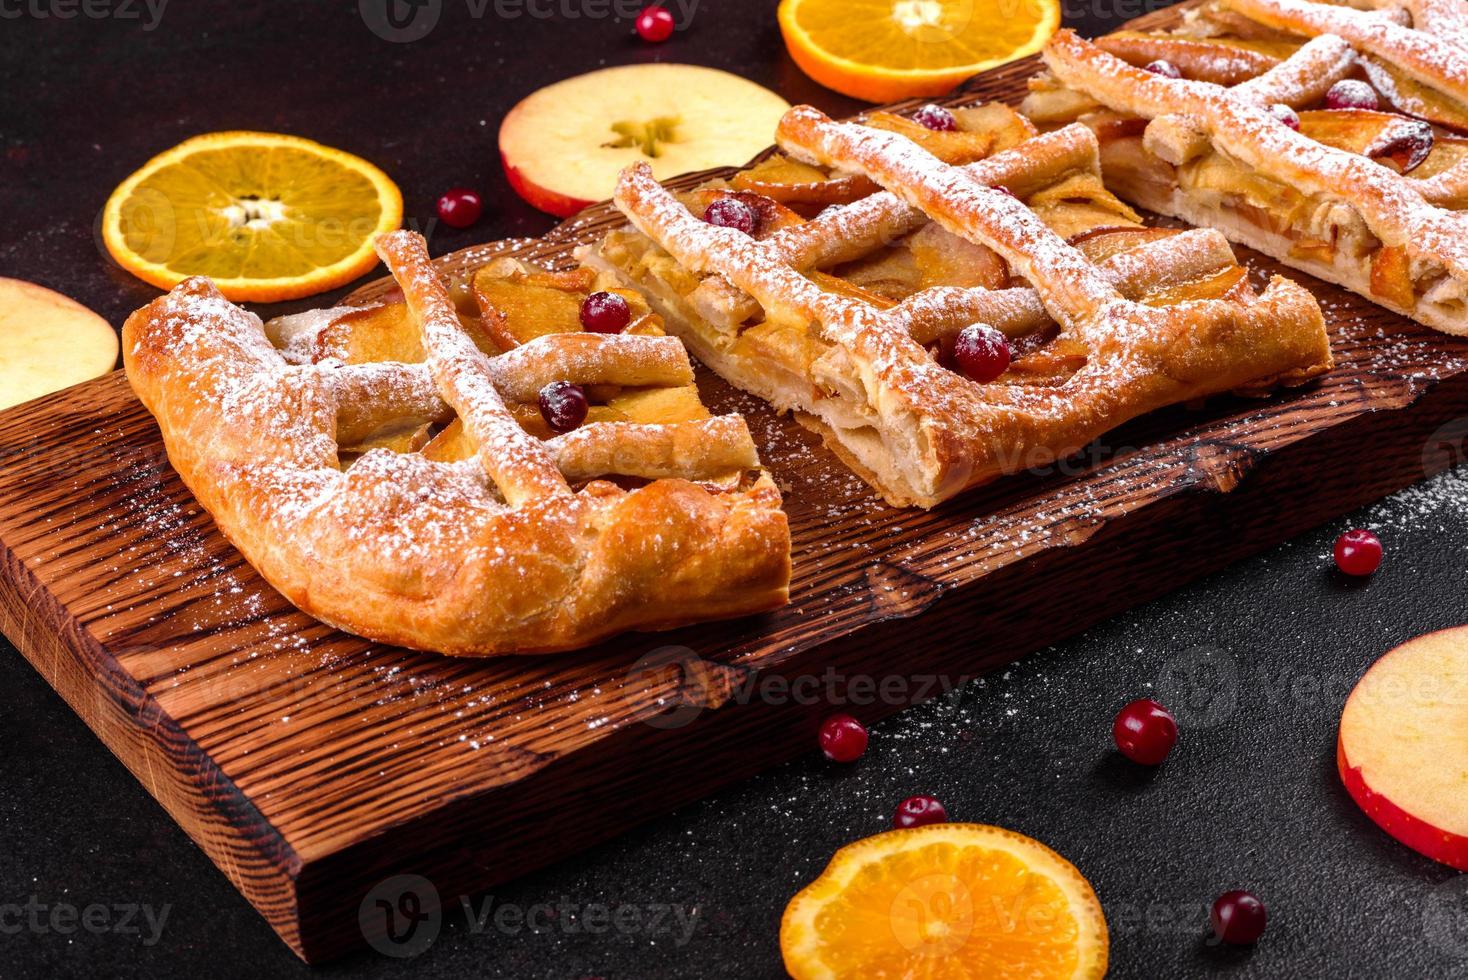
(1256, 660)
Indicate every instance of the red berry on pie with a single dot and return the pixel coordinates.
(563, 406)
(1358, 552)
(1145, 732)
(1351, 93)
(460, 208)
(1286, 115)
(1238, 918)
(655, 24)
(1164, 68)
(981, 352)
(604, 312)
(843, 738)
(1004, 190)
(730, 212)
(916, 811)
(935, 117)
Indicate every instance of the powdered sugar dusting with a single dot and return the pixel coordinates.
(1392, 207)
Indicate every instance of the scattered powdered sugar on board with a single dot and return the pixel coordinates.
(1439, 503)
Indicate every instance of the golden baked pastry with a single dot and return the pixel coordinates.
(382, 480)
(849, 318)
(1325, 136)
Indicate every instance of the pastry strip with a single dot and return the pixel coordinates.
(1300, 79)
(1069, 286)
(519, 465)
(1432, 59)
(687, 450)
(1391, 204)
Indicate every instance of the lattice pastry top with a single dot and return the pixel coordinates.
(919, 431)
(517, 545)
(1339, 155)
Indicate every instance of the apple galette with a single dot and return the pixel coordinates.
(1325, 136)
(530, 471)
(993, 309)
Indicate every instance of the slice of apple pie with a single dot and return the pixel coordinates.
(993, 309)
(1326, 136)
(486, 479)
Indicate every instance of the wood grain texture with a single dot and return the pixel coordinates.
(310, 764)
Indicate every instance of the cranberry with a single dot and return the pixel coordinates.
(843, 738)
(1164, 68)
(1004, 190)
(1286, 115)
(1145, 732)
(730, 212)
(655, 24)
(1358, 552)
(935, 117)
(981, 352)
(915, 811)
(1238, 918)
(605, 312)
(460, 208)
(563, 406)
(1351, 93)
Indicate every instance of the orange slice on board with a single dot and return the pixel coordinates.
(949, 901)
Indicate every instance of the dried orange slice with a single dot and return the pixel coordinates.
(945, 901)
(268, 217)
(885, 50)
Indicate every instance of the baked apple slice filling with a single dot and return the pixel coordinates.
(1218, 130)
(897, 334)
(503, 306)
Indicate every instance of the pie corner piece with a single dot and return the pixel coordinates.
(1328, 137)
(848, 317)
(449, 526)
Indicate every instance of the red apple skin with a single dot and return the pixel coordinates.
(1413, 831)
(560, 205)
(1420, 836)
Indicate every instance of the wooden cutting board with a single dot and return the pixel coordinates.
(311, 765)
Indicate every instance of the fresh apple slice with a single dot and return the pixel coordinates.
(1403, 747)
(563, 146)
(48, 342)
